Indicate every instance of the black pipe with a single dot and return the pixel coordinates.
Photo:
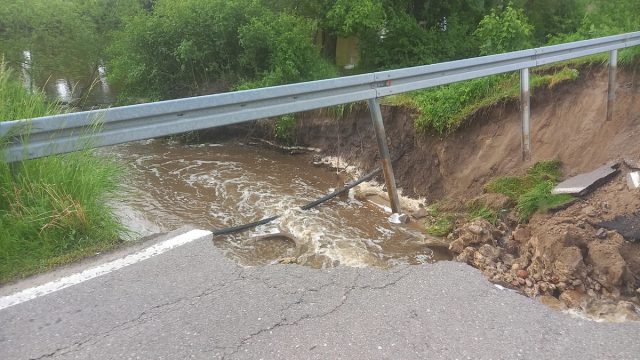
(311, 205)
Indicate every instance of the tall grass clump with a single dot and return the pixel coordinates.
(532, 192)
(52, 210)
(444, 109)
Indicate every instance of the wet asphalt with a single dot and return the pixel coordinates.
(192, 302)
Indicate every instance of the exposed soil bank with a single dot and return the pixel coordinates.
(562, 257)
(568, 123)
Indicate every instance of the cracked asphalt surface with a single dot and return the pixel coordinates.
(192, 302)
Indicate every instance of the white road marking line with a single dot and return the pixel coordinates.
(65, 282)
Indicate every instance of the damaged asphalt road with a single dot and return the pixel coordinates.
(192, 302)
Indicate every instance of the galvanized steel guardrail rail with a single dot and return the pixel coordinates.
(39, 137)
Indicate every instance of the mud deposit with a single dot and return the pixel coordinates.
(214, 186)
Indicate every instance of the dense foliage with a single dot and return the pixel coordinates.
(158, 49)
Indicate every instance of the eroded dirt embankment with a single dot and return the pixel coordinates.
(557, 255)
(568, 123)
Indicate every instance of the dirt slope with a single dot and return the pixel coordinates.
(568, 122)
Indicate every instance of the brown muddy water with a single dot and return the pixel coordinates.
(214, 186)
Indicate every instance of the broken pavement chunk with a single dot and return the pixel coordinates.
(632, 163)
(626, 225)
(633, 180)
(585, 183)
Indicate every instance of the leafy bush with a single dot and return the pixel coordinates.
(285, 128)
(189, 46)
(503, 31)
(278, 49)
(349, 17)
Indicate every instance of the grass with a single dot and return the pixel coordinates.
(532, 192)
(441, 223)
(444, 109)
(478, 210)
(52, 210)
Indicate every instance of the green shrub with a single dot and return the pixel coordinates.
(285, 128)
(503, 31)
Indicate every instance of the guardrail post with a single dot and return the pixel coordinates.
(613, 69)
(525, 108)
(381, 136)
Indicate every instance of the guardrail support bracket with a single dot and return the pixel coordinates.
(381, 136)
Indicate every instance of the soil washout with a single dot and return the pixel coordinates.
(564, 257)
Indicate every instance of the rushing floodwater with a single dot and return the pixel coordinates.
(216, 186)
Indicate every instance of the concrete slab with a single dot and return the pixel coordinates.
(626, 225)
(585, 183)
(633, 180)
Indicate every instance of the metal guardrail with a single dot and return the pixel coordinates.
(33, 138)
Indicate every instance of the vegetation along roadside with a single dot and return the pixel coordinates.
(53, 210)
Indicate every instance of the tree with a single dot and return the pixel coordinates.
(503, 31)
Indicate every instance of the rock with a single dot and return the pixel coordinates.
(457, 246)
(631, 163)
(521, 281)
(466, 255)
(589, 210)
(537, 277)
(608, 263)
(627, 225)
(572, 299)
(475, 229)
(522, 274)
(288, 260)
(490, 252)
(568, 261)
(576, 282)
(399, 218)
(561, 286)
(601, 233)
(628, 310)
(478, 258)
(543, 287)
(529, 282)
(507, 259)
(597, 286)
(515, 266)
(420, 213)
(552, 302)
(521, 234)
